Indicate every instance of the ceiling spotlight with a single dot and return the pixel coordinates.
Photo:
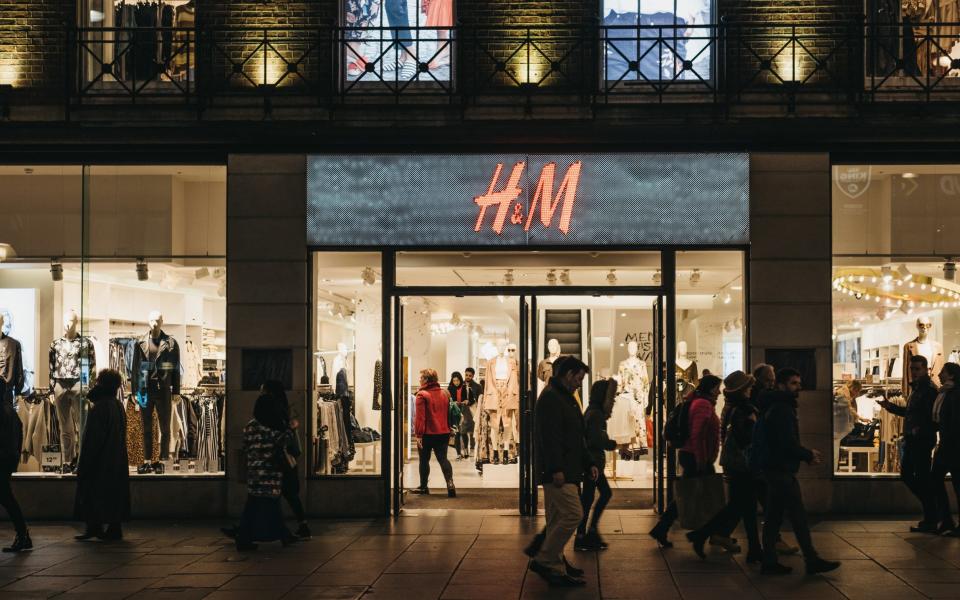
(508, 277)
(56, 270)
(552, 277)
(657, 277)
(612, 277)
(565, 277)
(694, 277)
(143, 273)
(909, 175)
(950, 270)
(904, 273)
(368, 276)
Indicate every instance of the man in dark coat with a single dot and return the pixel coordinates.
(11, 441)
(562, 461)
(103, 492)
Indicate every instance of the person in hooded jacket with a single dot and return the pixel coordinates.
(103, 489)
(602, 398)
(11, 441)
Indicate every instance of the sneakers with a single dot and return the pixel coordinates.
(143, 469)
(775, 569)
(818, 565)
(303, 532)
(785, 548)
(421, 491)
(20, 543)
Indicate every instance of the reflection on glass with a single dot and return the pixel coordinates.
(347, 362)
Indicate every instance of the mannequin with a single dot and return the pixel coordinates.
(72, 365)
(922, 345)
(502, 401)
(11, 361)
(686, 369)
(629, 413)
(340, 370)
(545, 368)
(156, 385)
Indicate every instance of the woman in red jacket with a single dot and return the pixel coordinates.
(431, 427)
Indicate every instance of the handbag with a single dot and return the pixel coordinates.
(699, 499)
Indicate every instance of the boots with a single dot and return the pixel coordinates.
(451, 490)
(20, 543)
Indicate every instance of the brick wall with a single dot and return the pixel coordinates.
(32, 39)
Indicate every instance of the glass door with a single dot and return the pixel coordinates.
(528, 386)
(658, 399)
(399, 407)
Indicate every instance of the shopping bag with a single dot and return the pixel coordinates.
(698, 499)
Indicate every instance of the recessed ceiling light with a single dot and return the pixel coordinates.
(909, 175)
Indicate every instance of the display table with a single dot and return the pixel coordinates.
(872, 455)
(367, 459)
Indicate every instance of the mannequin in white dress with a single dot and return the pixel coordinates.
(629, 413)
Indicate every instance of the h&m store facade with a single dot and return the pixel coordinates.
(345, 275)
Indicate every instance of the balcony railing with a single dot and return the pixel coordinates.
(781, 64)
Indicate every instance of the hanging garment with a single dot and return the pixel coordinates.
(504, 394)
(377, 384)
(33, 415)
(208, 435)
(73, 359)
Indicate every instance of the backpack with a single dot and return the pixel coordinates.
(676, 430)
(759, 452)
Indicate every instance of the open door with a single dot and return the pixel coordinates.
(528, 395)
(399, 407)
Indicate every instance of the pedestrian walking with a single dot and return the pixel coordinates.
(458, 394)
(11, 441)
(431, 427)
(263, 443)
(736, 432)
(562, 460)
(777, 453)
(699, 449)
(919, 438)
(103, 488)
(602, 398)
(946, 458)
(292, 451)
(473, 391)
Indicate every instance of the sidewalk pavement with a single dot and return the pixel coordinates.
(465, 555)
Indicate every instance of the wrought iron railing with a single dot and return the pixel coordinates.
(840, 63)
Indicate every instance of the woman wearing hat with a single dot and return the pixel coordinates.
(736, 432)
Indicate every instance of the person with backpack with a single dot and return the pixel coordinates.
(776, 453)
(693, 429)
(736, 432)
(431, 426)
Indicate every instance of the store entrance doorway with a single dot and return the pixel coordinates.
(510, 343)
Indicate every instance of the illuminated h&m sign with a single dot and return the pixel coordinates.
(518, 200)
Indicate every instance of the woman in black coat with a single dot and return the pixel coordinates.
(103, 492)
(946, 458)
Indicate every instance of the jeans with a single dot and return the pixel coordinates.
(437, 444)
(397, 17)
(10, 504)
(158, 399)
(943, 464)
(586, 501)
(784, 498)
(915, 472)
(562, 505)
(741, 505)
(68, 402)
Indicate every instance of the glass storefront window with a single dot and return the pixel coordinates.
(347, 363)
(101, 253)
(894, 296)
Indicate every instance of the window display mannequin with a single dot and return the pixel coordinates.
(545, 368)
(155, 385)
(629, 412)
(922, 345)
(502, 401)
(72, 365)
(11, 361)
(687, 374)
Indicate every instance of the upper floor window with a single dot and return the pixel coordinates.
(397, 40)
(657, 40)
(913, 39)
(138, 42)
